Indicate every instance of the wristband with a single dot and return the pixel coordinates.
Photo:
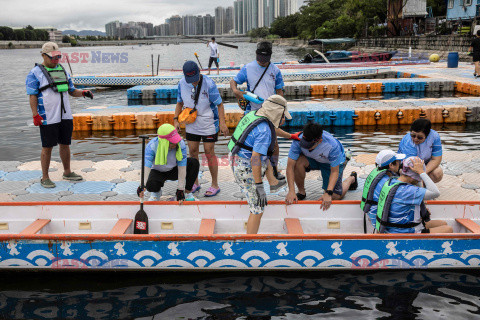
(175, 118)
(329, 192)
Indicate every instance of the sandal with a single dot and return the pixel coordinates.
(213, 192)
(354, 185)
(301, 196)
(195, 188)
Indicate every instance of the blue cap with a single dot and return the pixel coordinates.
(191, 71)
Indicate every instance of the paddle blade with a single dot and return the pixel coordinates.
(141, 222)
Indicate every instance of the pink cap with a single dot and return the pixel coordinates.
(407, 169)
(173, 136)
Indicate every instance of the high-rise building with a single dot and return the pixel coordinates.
(219, 19)
(113, 29)
(208, 25)
(229, 20)
(189, 25)
(238, 16)
(175, 25)
(199, 27)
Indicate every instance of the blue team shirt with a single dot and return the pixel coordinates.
(49, 102)
(405, 208)
(271, 81)
(431, 147)
(259, 139)
(330, 151)
(207, 121)
(172, 162)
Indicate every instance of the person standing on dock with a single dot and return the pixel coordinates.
(424, 142)
(250, 147)
(264, 79)
(205, 118)
(47, 86)
(318, 150)
(475, 50)
(214, 55)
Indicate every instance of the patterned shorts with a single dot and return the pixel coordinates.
(242, 171)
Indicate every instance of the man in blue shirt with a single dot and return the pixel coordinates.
(47, 86)
(318, 150)
(424, 142)
(249, 157)
(264, 79)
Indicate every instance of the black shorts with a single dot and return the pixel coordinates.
(57, 133)
(476, 57)
(212, 59)
(196, 137)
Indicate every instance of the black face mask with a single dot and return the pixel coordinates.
(306, 144)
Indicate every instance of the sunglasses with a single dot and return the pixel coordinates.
(54, 57)
(417, 136)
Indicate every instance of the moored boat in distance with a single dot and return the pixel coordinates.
(342, 56)
(210, 236)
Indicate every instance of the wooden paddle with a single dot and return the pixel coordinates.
(141, 218)
(205, 40)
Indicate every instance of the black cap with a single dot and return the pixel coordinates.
(264, 48)
(213, 38)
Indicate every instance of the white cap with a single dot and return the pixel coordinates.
(385, 157)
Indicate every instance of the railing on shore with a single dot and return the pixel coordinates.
(443, 43)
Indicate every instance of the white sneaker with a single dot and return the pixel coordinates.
(190, 197)
(155, 196)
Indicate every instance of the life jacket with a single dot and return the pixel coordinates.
(56, 77)
(244, 127)
(384, 203)
(57, 80)
(369, 188)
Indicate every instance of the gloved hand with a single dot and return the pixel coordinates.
(180, 195)
(139, 190)
(262, 196)
(87, 94)
(37, 120)
(295, 136)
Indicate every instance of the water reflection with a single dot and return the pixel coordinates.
(393, 295)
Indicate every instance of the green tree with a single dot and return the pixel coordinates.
(65, 39)
(314, 15)
(1, 36)
(20, 34)
(8, 33)
(285, 27)
(259, 33)
(40, 35)
(29, 27)
(29, 35)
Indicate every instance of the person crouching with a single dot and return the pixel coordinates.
(166, 159)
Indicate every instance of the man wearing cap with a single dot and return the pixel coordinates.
(251, 145)
(318, 150)
(214, 54)
(400, 200)
(388, 165)
(264, 79)
(200, 93)
(47, 85)
(166, 159)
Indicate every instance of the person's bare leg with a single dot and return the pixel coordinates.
(212, 162)
(300, 173)
(477, 68)
(253, 223)
(435, 223)
(45, 158)
(436, 175)
(193, 147)
(64, 151)
(345, 186)
(269, 174)
(441, 229)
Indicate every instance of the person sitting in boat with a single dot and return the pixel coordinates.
(166, 159)
(318, 150)
(424, 142)
(399, 203)
(200, 107)
(252, 143)
(388, 165)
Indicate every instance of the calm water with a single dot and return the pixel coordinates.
(380, 295)
(368, 295)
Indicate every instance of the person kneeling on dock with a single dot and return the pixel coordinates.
(318, 150)
(424, 142)
(166, 159)
(252, 143)
(388, 165)
(400, 202)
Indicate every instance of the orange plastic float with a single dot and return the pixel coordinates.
(82, 122)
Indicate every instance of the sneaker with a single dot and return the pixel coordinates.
(72, 176)
(155, 196)
(280, 184)
(354, 185)
(190, 197)
(280, 176)
(47, 183)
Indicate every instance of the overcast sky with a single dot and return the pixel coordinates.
(94, 14)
